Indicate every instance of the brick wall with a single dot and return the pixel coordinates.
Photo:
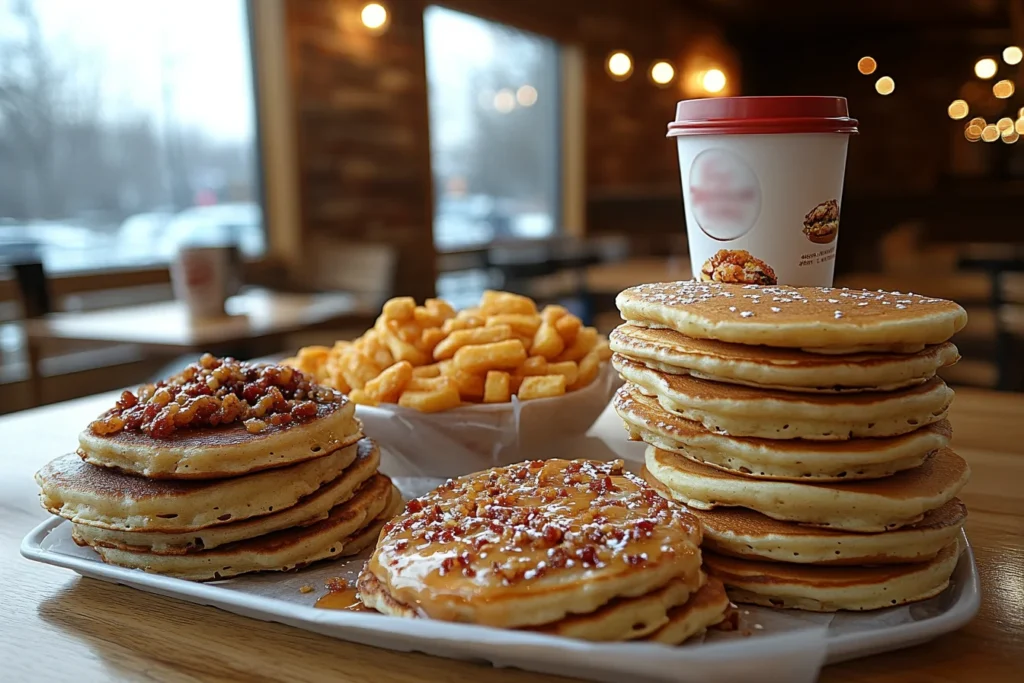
(361, 111)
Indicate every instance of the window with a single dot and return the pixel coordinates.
(126, 130)
(493, 94)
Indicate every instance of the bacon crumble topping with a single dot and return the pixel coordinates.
(218, 391)
(522, 522)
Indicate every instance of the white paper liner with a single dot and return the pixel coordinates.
(474, 438)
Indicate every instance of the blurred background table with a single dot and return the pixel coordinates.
(87, 630)
(258, 322)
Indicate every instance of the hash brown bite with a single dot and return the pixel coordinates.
(431, 358)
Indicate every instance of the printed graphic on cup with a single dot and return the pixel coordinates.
(724, 194)
(821, 224)
(737, 266)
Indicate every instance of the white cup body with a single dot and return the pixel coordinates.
(203, 278)
(775, 196)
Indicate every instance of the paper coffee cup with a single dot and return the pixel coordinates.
(204, 277)
(762, 186)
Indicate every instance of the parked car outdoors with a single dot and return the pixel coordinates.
(238, 223)
(145, 238)
(61, 246)
(139, 235)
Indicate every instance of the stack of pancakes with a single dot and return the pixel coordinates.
(573, 548)
(806, 428)
(210, 502)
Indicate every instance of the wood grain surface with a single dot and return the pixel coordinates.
(57, 626)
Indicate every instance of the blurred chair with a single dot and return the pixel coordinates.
(1003, 264)
(67, 371)
(34, 298)
(33, 289)
(610, 248)
(599, 307)
(554, 270)
(364, 269)
(517, 266)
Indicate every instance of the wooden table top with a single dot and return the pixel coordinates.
(166, 325)
(58, 626)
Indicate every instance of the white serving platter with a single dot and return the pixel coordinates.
(770, 645)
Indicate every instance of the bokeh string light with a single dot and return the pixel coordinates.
(526, 96)
(713, 80)
(1003, 89)
(1006, 128)
(504, 101)
(958, 109)
(867, 65)
(374, 16)
(662, 73)
(985, 68)
(619, 65)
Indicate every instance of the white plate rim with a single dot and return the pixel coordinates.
(445, 638)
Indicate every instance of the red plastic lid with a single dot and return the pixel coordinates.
(761, 116)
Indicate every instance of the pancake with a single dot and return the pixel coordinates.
(373, 595)
(97, 496)
(750, 535)
(313, 508)
(705, 608)
(792, 459)
(868, 506)
(773, 368)
(669, 615)
(811, 318)
(774, 414)
(351, 528)
(828, 589)
(627, 618)
(223, 451)
(530, 543)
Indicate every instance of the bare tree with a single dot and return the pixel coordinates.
(63, 156)
(28, 84)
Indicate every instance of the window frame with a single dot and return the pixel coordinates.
(570, 207)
